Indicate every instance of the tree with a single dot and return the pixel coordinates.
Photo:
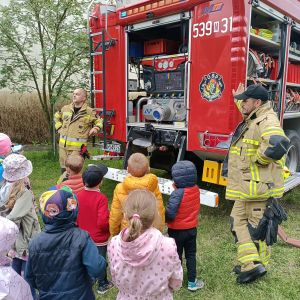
(43, 48)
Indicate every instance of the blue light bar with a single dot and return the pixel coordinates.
(123, 14)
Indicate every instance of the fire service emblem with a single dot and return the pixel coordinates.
(211, 86)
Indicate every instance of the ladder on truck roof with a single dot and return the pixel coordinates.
(99, 49)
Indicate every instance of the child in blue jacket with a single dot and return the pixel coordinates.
(63, 259)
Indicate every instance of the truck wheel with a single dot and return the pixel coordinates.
(293, 154)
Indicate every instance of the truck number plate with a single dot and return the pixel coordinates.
(111, 147)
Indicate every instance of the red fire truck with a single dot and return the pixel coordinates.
(162, 74)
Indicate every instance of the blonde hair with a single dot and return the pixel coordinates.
(75, 163)
(140, 211)
(138, 165)
(16, 191)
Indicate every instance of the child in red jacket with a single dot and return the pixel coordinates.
(182, 217)
(93, 214)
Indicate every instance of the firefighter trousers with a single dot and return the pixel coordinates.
(245, 216)
(64, 153)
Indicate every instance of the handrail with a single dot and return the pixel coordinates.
(138, 108)
(186, 81)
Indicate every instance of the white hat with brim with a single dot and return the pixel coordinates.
(16, 167)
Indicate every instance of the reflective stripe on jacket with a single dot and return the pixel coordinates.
(257, 157)
(74, 128)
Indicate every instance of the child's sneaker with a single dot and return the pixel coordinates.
(104, 288)
(194, 286)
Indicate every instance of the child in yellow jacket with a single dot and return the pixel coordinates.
(139, 178)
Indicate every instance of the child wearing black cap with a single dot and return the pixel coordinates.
(93, 214)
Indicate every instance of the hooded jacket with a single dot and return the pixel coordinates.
(146, 268)
(256, 157)
(63, 259)
(149, 182)
(12, 285)
(184, 204)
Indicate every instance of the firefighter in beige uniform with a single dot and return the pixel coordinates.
(255, 173)
(75, 123)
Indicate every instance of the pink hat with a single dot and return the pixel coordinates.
(16, 167)
(5, 144)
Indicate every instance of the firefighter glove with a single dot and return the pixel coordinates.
(268, 225)
(84, 152)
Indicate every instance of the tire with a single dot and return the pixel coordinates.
(293, 154)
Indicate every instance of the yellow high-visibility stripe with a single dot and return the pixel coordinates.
(252, 188)
(254, 172)
(263, 161)
(248, 258)
(273, 129)
(273, 132)
(58, 125)
(246, 249)
(245, 245)
(253, 195)
(251, 150)
(281, 161)
(264, 252)
(69, 143)
(251, 142)
(234, 152)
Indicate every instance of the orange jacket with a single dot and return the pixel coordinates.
(117, 221)
(74, 182)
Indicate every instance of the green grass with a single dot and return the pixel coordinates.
(216, 251)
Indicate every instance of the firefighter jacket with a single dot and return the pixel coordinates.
(256, 157)
(74, 128)
(117, 222)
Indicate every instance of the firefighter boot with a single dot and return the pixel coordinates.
(251, 275)
(236, 269)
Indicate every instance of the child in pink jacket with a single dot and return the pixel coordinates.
(12, 285)
(143, 263)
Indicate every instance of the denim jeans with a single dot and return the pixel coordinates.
(102, 251)
(186, 240)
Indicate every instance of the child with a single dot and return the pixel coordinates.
(138, 178)
(144, 264)
(63, 258)
(182, 217)
(93, 214)
(12, 285)
(74, 164)
(19, 208)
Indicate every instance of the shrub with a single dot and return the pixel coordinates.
(23, 119)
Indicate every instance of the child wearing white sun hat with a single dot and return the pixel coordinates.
(19, 208)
